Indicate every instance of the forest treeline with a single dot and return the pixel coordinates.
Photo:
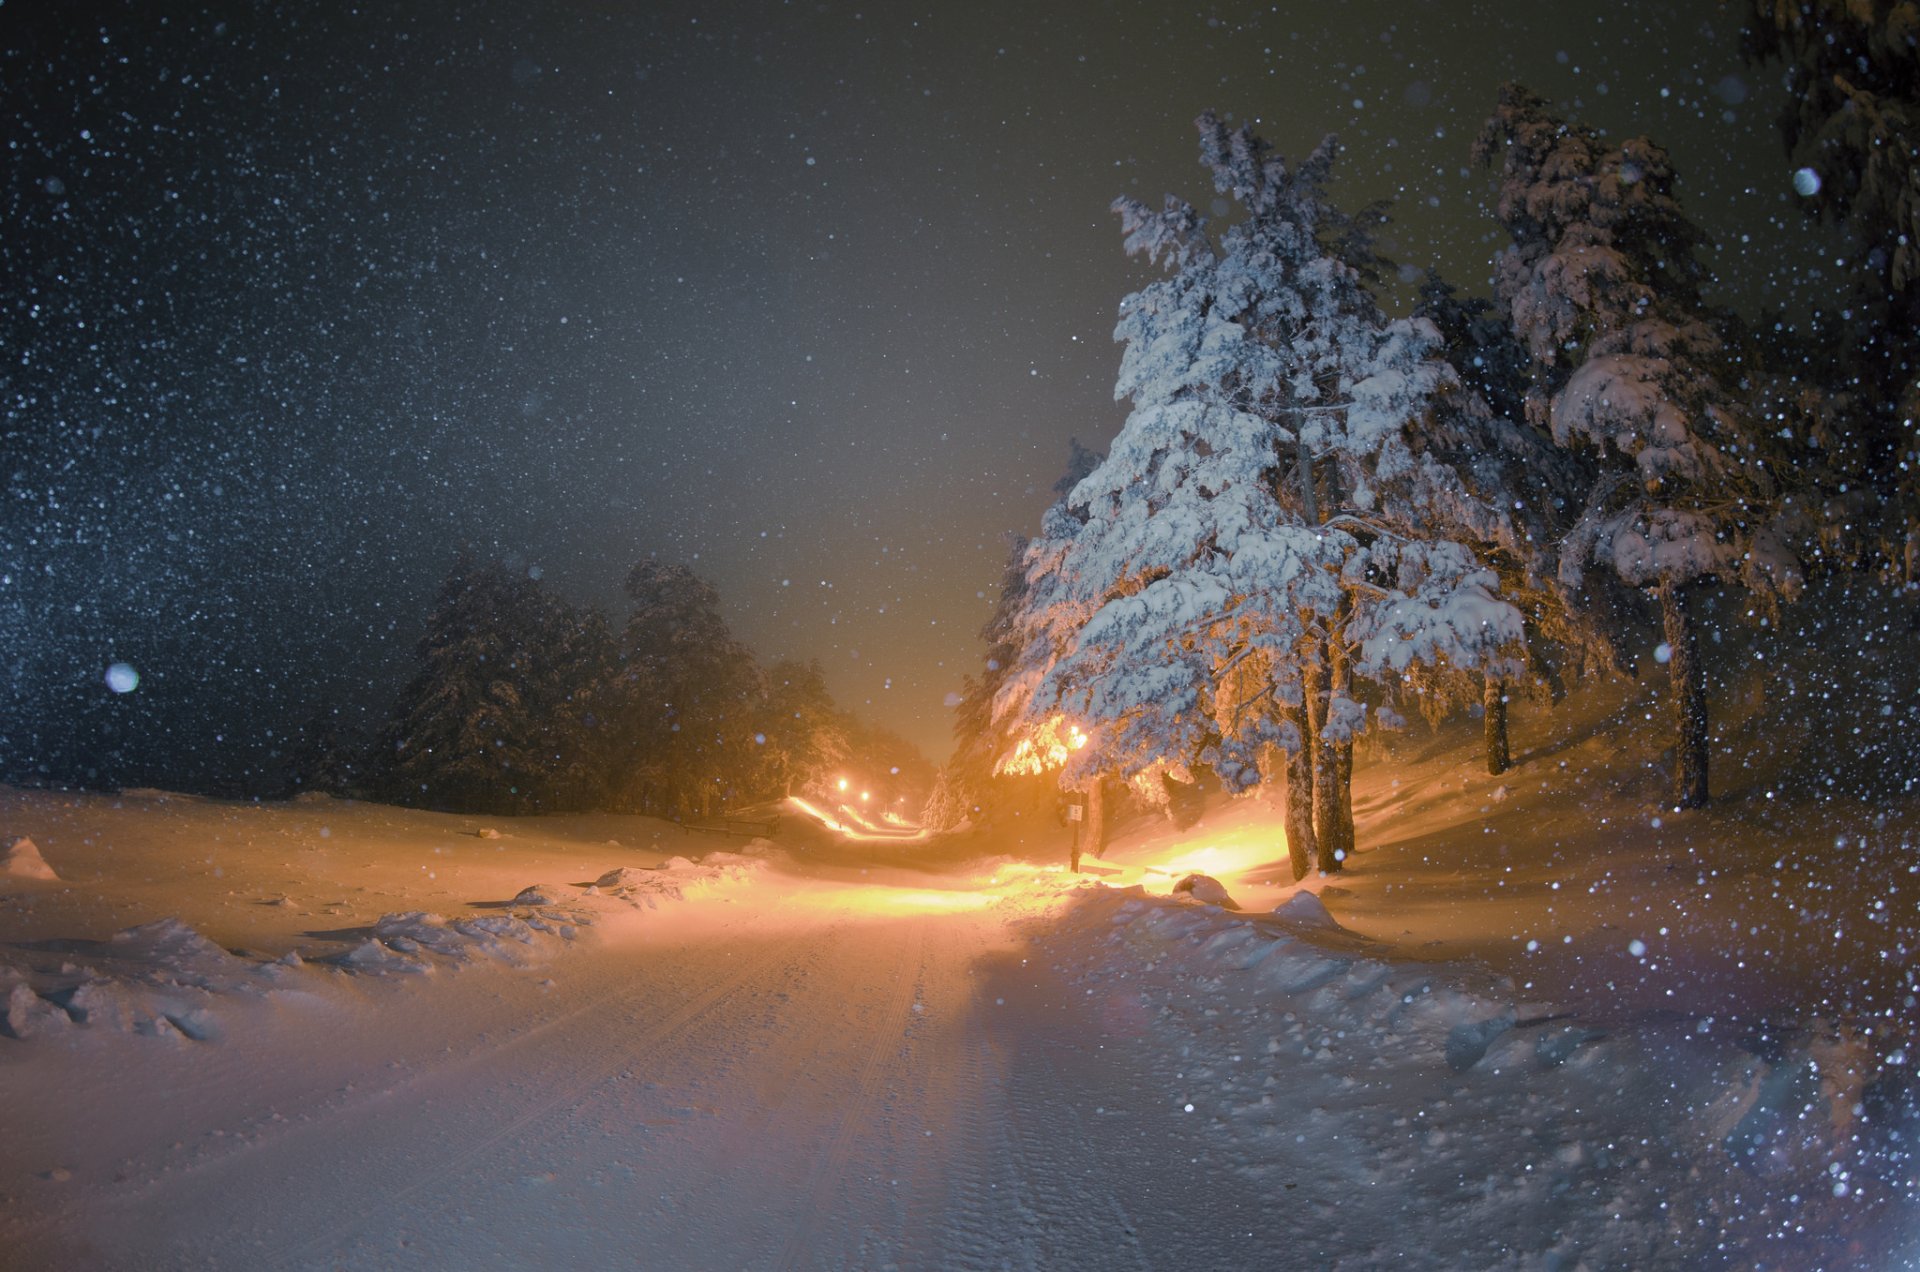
(523, 702)
(1318, 519)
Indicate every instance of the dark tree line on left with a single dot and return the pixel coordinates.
(522, 702)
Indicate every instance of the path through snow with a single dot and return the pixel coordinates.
(850, 1062)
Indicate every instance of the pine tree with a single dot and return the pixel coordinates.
(325, 758)
(684, 695)
(968, 786)
(1266, 532)
(807, 743)
(1481, 433)
(472, 728)
(1632, 367)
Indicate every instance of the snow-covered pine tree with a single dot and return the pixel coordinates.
(968, 785)
(1481, 434)
(1264, 531)
(325, 758)
(577, 657)
(1629, 363)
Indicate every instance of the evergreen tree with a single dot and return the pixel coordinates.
(1481, 433)
(1265, 531)
(579, 655)
(968, 786)
(684, 697)
(474, 727)
(325, 757)
(807, 742)
(1630, 365)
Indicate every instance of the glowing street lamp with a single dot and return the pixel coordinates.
(1046, 749)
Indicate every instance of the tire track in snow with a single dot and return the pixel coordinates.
(577, 1087)
(988, 1217)
(397, 1141)
(1051, 1151)
(887, 1036)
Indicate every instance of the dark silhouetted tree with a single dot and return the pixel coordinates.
(1846, 386)
(1631, 366)
(682, 700)
(806, 745)
(483, 723)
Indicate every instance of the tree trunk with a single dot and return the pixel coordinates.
(1333, 768)
(1093, 830)
(1689, 698)
(1309, 497)
(1300, 841)
(1325, 801)
(1499, 759)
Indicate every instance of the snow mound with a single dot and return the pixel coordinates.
(622, 877)
(493, 929)
(411, 942)
(416, 930)
(1303, 909)
(377, 957)
(415, 941)
(27, 1014)
(168, 946)
(678, 878)
(1206, 889)
(160, 979)
(545, 894)
(23, 861)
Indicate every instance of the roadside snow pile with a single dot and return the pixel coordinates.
(1205, 889)
(677, 877)
(159, 979)
(23, 861)
(417, 941)
(409, 942)
(1460, 1116)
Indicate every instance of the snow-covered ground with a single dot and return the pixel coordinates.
(1530, 1028)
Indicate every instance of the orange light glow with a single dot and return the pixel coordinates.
(901, 901)
(1046, 749)
(1226, 855)
(848, 823)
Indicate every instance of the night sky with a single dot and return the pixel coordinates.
(299, 298)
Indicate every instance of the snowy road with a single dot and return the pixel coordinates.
(855, 1055)
(800, 1079)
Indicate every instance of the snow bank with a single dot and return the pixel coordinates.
(160, 979)
(417, 941)
(1489, 1125)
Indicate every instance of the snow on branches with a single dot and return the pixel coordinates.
(1267, 512)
